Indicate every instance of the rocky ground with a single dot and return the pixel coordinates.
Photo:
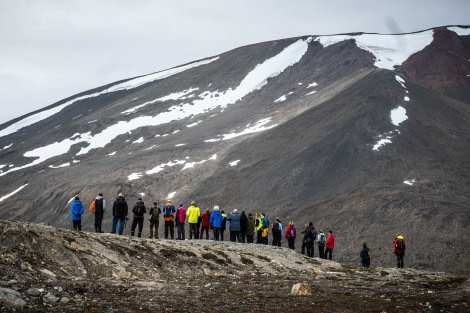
(47, 269)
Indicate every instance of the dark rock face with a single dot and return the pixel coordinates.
(317, 160)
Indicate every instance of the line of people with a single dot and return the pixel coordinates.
(242, 227)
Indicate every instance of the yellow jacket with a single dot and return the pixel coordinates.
(193, 213)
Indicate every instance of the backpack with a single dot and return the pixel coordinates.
(92, 206)
(311, 234)
(276, 228)
(292, 231)
(121, 206)
(265, 222)
(400, 245)
(168, 214)
(264, 234)
(139, 209)
(322, 240)
(156, 213)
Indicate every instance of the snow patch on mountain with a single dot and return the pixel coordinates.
(133, 83)
(389, 50)
(397, 116)
(12, 193)
(255, 79)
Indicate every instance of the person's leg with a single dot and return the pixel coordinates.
(141, 226)
(122, 221)
(134, 224)
(151, 229)
(156, 225)
(96, 223)
(113, 228)
(100, 221)
(172, 229)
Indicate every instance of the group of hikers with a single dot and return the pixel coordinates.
(242, 227)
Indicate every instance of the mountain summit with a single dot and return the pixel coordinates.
(363, 134)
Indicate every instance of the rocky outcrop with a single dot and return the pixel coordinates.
(43, 268)
(443, 65)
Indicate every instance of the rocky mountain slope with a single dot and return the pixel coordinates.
(48, 269)
(363, 134)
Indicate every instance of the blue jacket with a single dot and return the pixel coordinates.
(216, 219)
(77, 210)
(234, 220)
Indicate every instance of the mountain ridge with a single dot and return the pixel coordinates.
(300, 128)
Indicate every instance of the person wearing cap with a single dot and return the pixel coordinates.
(193, 213)
(169, 218)
(180, 219)
(400, 247)
(120, 211)
(76, 210)
(139, 211)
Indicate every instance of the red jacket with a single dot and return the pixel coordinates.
(206, 217)
(330, 242)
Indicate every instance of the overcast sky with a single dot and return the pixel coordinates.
(53, 49)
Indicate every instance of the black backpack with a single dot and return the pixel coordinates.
(400, 245)
(139, 209)
(276, 228)
(99, 206)
(121, 206)
(311, 233)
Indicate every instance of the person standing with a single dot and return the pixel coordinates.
(250, 228)
(76, 211)
(120, 211)
(365, 259)
(304, 239)
(277, 232)
(259, 228)
(180, 219)
(309, 239)
(138, 219)
(243, 223)
(100, 208)
(169, 219)
(224, 225)
(400, 247)
(193, 213)
(291, 233)
(321, 242)
(234, 227)
(216, 222)
(265, 228)
(205, 224)
(330, 245)
(155, 212)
